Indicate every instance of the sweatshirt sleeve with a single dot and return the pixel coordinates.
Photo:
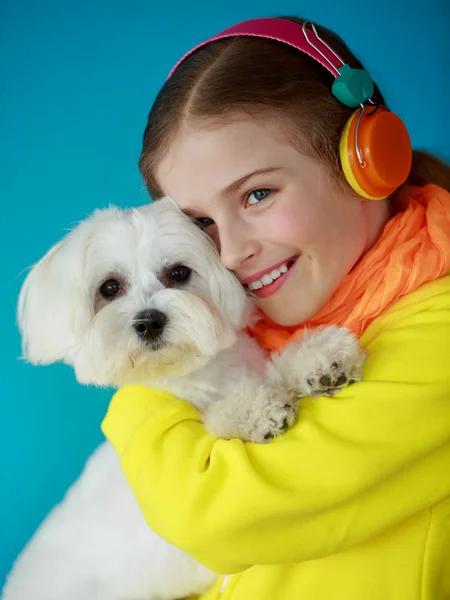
(352, 466)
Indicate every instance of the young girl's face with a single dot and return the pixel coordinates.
(279, 222)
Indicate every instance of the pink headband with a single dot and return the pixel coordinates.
(300, 37)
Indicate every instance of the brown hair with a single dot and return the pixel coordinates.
(260, 77)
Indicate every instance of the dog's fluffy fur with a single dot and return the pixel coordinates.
(171, 317)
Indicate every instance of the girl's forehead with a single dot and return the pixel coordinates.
(209, 159)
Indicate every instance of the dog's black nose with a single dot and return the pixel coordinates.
(149, 324)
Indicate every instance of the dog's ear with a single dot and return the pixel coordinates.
(229, 295)
(54, 306)
(225, 290)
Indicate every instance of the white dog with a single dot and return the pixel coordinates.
(140, 296)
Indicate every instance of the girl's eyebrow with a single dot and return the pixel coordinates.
(236, 185)
(194, 211)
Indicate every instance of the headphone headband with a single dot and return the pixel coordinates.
(280, 30)
(352, 87)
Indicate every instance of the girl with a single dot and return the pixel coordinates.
(354, 501)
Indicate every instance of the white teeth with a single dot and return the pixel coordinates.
(268, 278)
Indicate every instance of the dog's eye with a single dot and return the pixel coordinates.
(110, 289)
(179, 274)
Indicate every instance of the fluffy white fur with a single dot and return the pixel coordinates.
(96, 545)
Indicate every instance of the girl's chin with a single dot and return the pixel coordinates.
(280, 314)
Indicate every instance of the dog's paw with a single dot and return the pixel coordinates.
(329, 381)
(323, 362)
(272, 416)
(257, 412)
(335, 360)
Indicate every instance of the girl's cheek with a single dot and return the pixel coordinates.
(290, 227)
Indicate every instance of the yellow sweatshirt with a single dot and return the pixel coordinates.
(353, 503)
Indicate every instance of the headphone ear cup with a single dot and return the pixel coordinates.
(385, 149)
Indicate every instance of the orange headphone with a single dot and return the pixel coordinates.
(375, 147)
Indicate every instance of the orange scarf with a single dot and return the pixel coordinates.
(413, 249)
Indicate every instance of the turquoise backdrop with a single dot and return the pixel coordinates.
(76, 82)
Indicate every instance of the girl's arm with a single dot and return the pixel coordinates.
(353, 465)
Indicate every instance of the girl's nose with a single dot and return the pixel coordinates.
(237, 245)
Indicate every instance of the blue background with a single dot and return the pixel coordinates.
(76, 82)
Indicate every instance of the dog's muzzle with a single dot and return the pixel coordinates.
(149, 324)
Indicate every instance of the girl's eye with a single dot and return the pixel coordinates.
(204, 222)
(258, 196)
